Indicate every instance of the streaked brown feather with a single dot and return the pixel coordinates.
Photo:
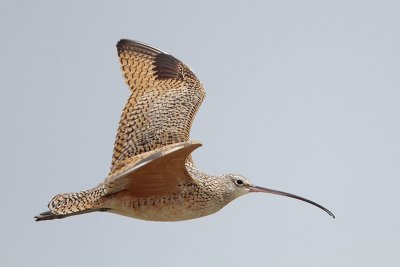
(165, 98)
(156, 172)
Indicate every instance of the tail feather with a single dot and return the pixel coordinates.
(48, 215)
(70, 204)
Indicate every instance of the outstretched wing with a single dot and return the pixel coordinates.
(157, 172)
(165, 98)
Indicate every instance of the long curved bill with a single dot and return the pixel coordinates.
(276, 192)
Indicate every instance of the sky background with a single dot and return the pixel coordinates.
(302, 96)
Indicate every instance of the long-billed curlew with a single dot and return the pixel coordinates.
(152, 174)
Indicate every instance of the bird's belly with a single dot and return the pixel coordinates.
(160, 208)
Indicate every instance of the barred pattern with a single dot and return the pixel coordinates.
(67, 203)
(165, 98)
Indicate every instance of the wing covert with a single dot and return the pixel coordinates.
(157, 172)
(165, 96)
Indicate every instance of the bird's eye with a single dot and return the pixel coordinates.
(239, 182)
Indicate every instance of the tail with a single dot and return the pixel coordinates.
(70, 204)
(48, 215)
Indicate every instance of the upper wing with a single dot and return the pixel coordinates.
(165, 98)
(157, 172)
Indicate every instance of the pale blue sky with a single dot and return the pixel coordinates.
(302, 96)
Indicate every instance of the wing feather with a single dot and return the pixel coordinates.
(157, 172)
(165, 96)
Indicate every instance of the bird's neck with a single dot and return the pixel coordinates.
(216, 187)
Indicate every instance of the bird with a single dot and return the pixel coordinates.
(152, 175)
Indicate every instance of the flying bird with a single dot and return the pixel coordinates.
(152, 175)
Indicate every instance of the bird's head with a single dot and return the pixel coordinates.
(239, 185)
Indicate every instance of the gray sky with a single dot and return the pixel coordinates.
(302, 96)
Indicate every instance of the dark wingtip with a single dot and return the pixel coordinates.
(123, 42)
(136, 45)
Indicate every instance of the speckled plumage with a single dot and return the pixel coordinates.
(165, 98)
(152, 175)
